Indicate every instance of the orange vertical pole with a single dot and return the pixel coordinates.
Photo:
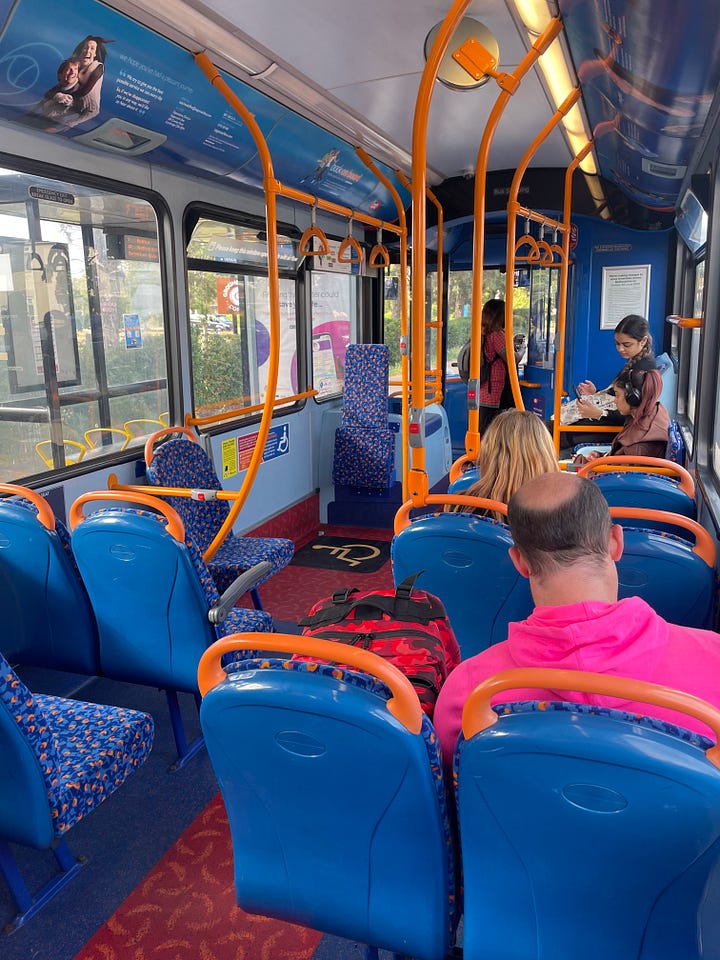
(513, 208)
(508, 85)
(562, 306)
(440, 280)
(418, 481)
(271, 188)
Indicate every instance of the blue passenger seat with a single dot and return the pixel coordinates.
(59, 759)
(636, 482)
(463, 559)
(334, 788)
(156, 605)
(180, 461)
(675, 576)
(586, 831)
(47, 618)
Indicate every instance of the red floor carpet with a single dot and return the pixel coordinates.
(185, 909)
(291, 592)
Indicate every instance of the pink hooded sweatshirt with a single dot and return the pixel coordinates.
(625, 639)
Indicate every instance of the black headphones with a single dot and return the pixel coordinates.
(633, 394)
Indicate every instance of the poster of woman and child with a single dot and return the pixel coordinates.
(75, 98)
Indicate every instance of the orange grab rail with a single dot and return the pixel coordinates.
(44, 510)
(175, 525)
(403, 705)
(601, 464)
(478, 715)
(402, 517)
(191, 421)
(704, 543)
(458, 468)
(166, 432)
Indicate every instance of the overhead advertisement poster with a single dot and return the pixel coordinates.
(98, 76)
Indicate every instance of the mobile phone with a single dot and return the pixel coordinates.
(576, 392)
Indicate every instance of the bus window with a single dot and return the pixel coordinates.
(83, 348)
(460, 305)
(229, 301)
(391, 322)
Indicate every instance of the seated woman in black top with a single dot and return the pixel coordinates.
(634, 344)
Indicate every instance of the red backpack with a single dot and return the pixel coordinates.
(407, 627)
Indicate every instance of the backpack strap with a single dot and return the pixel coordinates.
(401, 606)
(342, 596)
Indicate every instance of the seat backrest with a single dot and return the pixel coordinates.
(465, 480)
(650, 483)
(46, 613)
(182, 462)
(28, 757)
(365, 392)
(463, 559)
(653, 491)
(364, 454)
(150, 591)
(585, 825)
(336, 800)
(674, 575)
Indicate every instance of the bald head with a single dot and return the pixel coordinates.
(558, 520)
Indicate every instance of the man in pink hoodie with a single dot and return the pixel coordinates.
(567, 545)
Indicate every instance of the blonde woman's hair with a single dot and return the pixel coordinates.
(515, 448)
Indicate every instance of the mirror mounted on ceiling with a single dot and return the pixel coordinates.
(470, 34)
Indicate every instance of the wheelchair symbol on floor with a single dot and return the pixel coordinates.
(346, 552)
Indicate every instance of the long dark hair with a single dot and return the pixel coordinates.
(100, 48)
(493, 315)
(637, 327)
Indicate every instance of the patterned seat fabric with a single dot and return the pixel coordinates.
(184, 463)
(364, 444)
(592, 710)
(363, 458)
(85, 751)
(676, 445)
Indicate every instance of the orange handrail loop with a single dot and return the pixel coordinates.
(350, 250)
(402, 517)
(306, 244)
(165, 432)
(379, 255)
(478, 715)
(44, 510)
(175, 526)
(704, 543)
(403, 705)
(687, 484)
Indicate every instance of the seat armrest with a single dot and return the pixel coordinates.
(246, 581)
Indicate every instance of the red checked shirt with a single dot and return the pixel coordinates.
(491, 390)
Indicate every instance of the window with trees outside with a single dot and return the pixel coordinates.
(459, 312)
(83, 368)
(229, 301)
